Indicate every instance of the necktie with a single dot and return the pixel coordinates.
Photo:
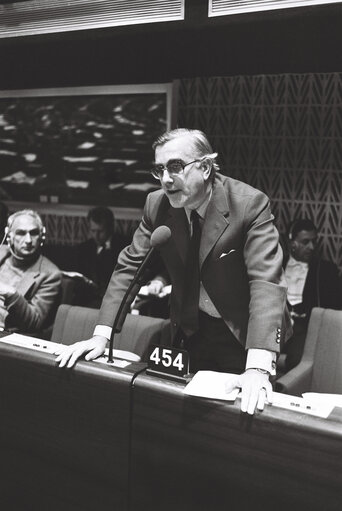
(189, 317)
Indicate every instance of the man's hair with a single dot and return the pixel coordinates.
(200, 143)
(26, 212)
(298, 225)
(102, 216)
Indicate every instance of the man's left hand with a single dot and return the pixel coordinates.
(6, 290)
(255, 389)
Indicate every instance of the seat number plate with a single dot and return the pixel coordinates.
(168, 360)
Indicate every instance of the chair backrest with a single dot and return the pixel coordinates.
(74, 323)
(68, 290)
(323, 345)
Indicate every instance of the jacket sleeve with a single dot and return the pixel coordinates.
(268, 322)
(30, 314)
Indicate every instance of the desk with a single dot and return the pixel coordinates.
(192, 454)
(64, 434)
(99, 438)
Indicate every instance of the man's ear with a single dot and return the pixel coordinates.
(292, 245)
(206, 165)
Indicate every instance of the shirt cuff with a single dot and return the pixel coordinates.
(103, 331)
(261, 359)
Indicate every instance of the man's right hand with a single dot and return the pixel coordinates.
(91, 348)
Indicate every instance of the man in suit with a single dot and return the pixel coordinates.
(29, 282)
(97, 256)
(312, 282)
(239, 320)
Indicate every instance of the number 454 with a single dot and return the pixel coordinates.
(164, 356)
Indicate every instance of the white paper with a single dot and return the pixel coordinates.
(116, 363)
(211, 384)
(299, 404)
(25, 341)
(322, 398)
(33, 343)
(124, 355)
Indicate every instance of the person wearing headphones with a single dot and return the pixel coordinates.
(312, 282)
(29, 282)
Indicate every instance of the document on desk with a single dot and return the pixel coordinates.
(122, 358)
(321, 398)
(211, 384)
(302, 405)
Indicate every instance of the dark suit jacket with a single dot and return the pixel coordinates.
(322, 287)
(99, 267)
(240, 260)
(38, 294)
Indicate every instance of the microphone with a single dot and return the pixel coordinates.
(158, 238)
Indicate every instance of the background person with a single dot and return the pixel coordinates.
(312, 282)
(29, 282)
(235, 319)
(153, 298)
(96, 257)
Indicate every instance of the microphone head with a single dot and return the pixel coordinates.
(160, 236)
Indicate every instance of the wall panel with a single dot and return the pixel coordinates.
(280, 133)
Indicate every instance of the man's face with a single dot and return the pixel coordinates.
(98, 233)
(25, 236)
(304, 245)
(188, 188)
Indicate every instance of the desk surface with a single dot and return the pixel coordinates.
(95, 437)
(194, 454)
(64, 434)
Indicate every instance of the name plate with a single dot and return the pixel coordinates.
(168, 362)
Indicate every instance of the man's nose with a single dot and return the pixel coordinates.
(28, 238)
(166, 177)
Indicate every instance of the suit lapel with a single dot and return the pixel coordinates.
(215, 222)
(29, 277)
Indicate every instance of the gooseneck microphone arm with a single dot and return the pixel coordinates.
(158, 238)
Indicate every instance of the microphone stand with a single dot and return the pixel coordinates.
(126, 302)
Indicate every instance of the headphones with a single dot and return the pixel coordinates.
(8, 236)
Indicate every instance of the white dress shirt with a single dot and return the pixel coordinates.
(295, 273)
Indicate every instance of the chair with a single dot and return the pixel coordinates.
(74, 323)
(68, 286)
(320, 369)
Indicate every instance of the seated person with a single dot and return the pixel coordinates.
(153, 298)
(29, 282)
(96, 257)
(312, 282)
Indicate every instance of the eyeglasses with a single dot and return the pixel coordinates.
(174, 168)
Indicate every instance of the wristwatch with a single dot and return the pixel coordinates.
(263, 371)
